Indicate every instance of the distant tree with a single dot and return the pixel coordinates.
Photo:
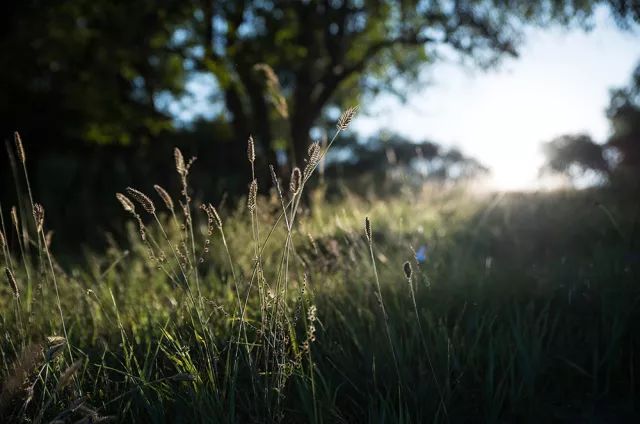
(386, 156)
(624, 116)
(574, 156)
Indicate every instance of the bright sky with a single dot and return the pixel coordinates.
(559, 85)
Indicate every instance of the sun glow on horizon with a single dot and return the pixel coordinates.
(559, 85)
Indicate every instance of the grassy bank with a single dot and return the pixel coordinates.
(509, 308)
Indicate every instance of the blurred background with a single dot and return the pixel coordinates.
(499, 94)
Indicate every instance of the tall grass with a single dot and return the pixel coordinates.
(282, 309)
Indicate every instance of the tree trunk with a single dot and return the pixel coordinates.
(238, 117)
(260, 123)
(304, 115)
(301, 124)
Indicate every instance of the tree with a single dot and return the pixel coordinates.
(389, 155)
(575, 156)
(106, 71)
(85, 70)
(333, 52)
(624, 116)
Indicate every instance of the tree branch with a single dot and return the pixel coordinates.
(332, 79)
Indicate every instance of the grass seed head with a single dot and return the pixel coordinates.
(38, 216)
(274, 89)
(68, 374)
(19, 147)
(126, 203)
(11, 279)
(3, 241)
(52, 340)
(269, 73)
(314, 154)
(274, 177)
(407, 270)
(276, 182)
(180, 165)
(367, 228)
(296, 181)
(55, 350)
(253, 194)
(251, 150)
(166, 198)
(142, 199)
(215, 215)
(128, 206)
(346, 118)
(14, 219)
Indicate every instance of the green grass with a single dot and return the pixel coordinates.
(525, 309)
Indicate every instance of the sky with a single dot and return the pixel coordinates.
(559, 85)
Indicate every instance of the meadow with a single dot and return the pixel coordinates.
(437, 305)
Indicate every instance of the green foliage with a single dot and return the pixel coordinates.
(389, 157)
(89, 70)
(619, 156)
(624, 115)
(517, 301)
(106, 72)
(575, 155)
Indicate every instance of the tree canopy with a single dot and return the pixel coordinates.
(576, 155)
(107, 72)
(84, 70)
(624, 115)
(388, 156)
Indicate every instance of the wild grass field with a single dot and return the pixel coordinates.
(442, 305)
